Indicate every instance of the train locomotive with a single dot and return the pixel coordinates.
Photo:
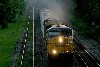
(57, 35)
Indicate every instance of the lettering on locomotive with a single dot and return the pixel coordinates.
(61, 44)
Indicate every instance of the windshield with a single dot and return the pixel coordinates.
(66, 32)
(54, 32)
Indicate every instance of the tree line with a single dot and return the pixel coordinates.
(89, 12)
(10, 11)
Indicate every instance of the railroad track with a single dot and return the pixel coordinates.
(61, 61)
(84, 57)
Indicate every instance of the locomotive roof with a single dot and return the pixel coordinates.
(59, 26)
(60, 29)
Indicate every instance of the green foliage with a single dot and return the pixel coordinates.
(4, 25)
(88, 10)
(89, 13)
(10, 11)
(79, 24)
(28, 56)
(8, 39)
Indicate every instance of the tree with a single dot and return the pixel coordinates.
(9, 10)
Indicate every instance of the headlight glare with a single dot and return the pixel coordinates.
(60, 39)
(54, 51)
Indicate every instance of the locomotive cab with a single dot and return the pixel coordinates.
(59, 40)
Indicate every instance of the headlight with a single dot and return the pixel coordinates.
(54, 51)
(60, 39)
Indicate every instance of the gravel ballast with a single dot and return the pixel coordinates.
(91, 46)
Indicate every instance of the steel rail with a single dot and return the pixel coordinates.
(90, 56)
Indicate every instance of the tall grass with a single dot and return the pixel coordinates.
(8, 39)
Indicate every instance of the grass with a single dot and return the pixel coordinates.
(8, 39)
(27, 61)
(28, 56)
